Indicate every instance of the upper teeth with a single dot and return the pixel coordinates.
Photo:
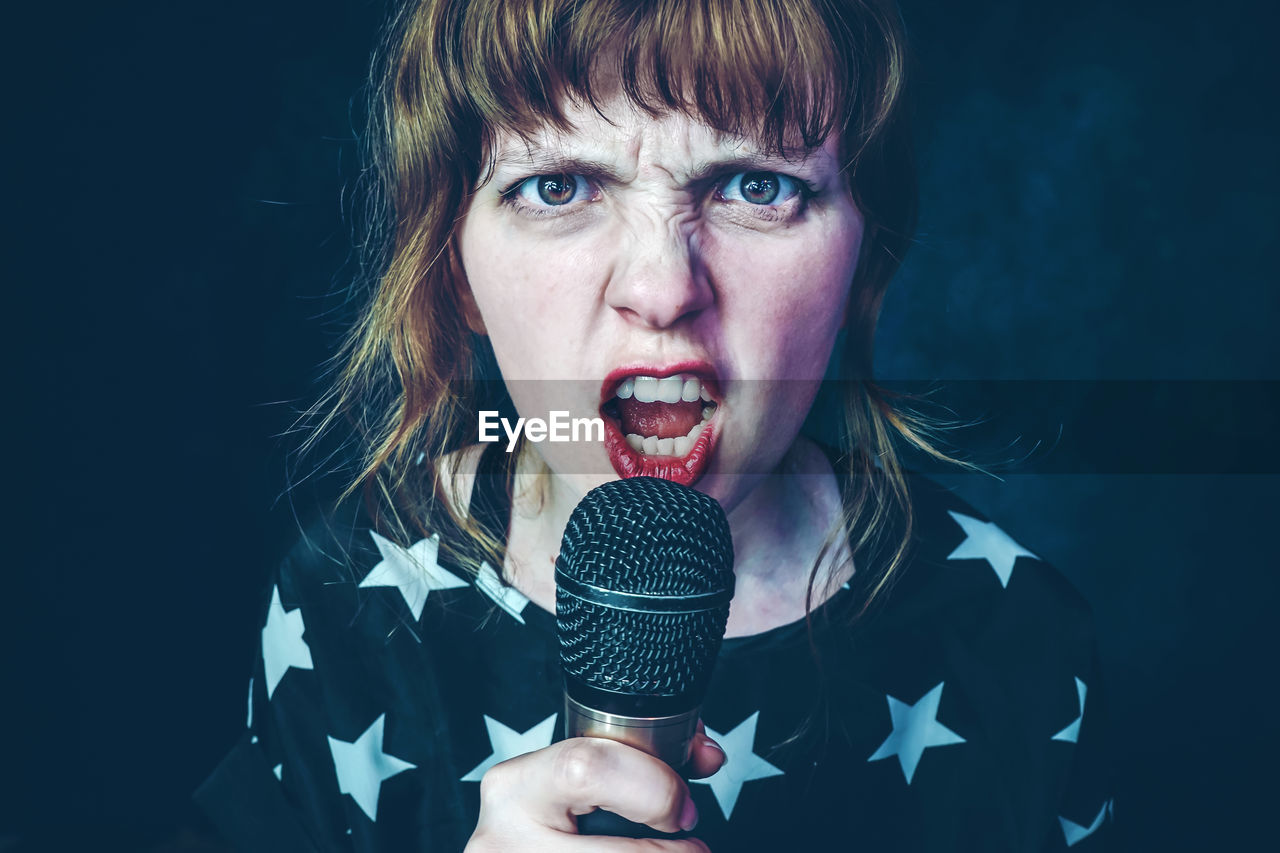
(669, 389)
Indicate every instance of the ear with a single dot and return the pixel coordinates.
(462, 288)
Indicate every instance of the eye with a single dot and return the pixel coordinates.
(762, 188)
(544, 191)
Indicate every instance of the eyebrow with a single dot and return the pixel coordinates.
(542, 162)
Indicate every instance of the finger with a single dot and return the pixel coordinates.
(582, 774)
(603, 844)
(559, 842)
(706, 757)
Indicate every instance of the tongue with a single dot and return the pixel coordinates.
(664, 420)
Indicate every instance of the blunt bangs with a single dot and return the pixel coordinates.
(777, 71)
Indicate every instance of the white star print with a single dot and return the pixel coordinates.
(361, 766)
(279, 771)
(249, 723)
(508, 598)
(282, 643)
(413, 570)
(985, 541)
(915, 729)
(1074, 833)
(1072, 732)
(508, 743)
(742, 766)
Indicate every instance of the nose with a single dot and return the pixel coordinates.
(659, 278)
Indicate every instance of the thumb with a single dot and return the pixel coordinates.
(706, 756)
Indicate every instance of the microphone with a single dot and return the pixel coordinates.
(643, 585)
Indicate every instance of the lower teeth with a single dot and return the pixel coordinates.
(679, 446)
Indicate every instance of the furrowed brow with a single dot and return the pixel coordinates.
(538, 162)
(533, 160)
(751, 163)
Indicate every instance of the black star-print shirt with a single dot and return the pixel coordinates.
(960, 713)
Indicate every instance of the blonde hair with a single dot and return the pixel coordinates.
(451, 73)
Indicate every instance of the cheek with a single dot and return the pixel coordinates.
(530, 299)
(784, 300)
(507, 286)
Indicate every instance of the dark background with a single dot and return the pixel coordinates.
(1099, 205)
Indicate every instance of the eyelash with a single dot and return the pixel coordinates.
(510, 196)
(802, 189)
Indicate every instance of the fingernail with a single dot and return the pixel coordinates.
(688, 815)
(717, 747)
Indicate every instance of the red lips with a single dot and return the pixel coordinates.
(631, 463)
(656, 419)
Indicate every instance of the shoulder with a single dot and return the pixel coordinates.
(336, 541)
(359, 575)
(953, 536)
(333, 547)
(361, 568)
(977, 587)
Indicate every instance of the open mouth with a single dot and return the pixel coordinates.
(660, 426)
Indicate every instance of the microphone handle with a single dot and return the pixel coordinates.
(667, 738)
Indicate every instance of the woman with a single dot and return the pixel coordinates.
(660, 215)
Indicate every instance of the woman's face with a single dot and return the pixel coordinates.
(674, 281)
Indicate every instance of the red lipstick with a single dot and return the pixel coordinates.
(630, 462)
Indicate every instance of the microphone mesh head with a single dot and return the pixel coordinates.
(645, 577)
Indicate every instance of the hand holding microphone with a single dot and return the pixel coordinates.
(533, 803)
(644, 580)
